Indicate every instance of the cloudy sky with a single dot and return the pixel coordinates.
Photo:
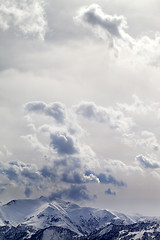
(80, 102)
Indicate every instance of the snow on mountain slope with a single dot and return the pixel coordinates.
(16, 211)
(41, 219)
(42, 213)
(51, 214)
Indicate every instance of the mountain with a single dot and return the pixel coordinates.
(43, 219)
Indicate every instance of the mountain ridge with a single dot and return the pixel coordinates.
(47, 219)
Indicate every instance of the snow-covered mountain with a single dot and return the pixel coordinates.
(47, 220)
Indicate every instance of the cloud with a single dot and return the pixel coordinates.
(110, 180)
(56, 110)
(35, 143)
(110, 192)
(147, 162)
(106, 26)
(76, 193)
(11, 173)
(106, 179)
(91, 178)
(138, 106)
(117, 166)
(48, 172)
(113, 117)
(63, 143)
(31, 174)
(112, 28)
(2, 190)
(74, 178)
(25, 16)
(4, 152)
(28, 192)
(20, 176)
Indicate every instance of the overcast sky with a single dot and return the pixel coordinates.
(80, 102)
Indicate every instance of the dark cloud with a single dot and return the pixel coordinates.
(29, 173)
(110, 180)
(28, 192)
(76, 193)
(74, 178)
(56, 110)
(15, 163)
(147, 162)
(63, 143)
(2, 190)
(107, 179)
(48, 172)
(10, 173)
(109, 192)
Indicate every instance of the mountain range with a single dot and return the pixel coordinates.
(46, 219)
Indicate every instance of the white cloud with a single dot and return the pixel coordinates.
(4, 152)
(113, 116)
(26, 16)
(117, 166)
(35, 143)
(112, 28)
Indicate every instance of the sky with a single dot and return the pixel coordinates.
(80, 102)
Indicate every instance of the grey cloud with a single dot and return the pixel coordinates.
(56, 110)
(48, 172)
(63, 143)
(16, 163)
(114, 117)
(110, 180)
(76, 193)
(11, 173)
(22, 174)
(36, 106)
(104, 179)
(112, 28)
(28, 192)
(112, 24)
(91, 111)
(147, 162)
(27, 17)
(29, 173)
(74, 178)
(110, 192)
(2, 190)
